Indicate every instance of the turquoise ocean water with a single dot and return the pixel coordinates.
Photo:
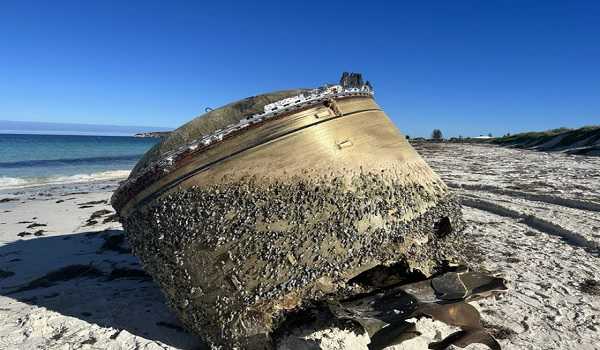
(27, 160)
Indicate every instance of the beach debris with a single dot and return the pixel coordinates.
(111, 218)
(6, 200)
(102, 201)
(35, 224)
(107, 215)
(96, 215)
(383, 313)
(74, 193)
(100, 213)
(270, 205)
(90, 222)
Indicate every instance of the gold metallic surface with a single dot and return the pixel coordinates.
(311, 142)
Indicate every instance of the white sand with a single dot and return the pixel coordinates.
(82, 313)
(534, 216)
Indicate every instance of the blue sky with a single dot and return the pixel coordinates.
(466, 67)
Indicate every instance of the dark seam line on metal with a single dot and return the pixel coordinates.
(180, 179)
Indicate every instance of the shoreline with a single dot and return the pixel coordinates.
(92, 180)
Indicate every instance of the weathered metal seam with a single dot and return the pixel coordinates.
(204, 167)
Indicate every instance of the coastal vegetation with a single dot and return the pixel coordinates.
(580, 141)
(585, 140)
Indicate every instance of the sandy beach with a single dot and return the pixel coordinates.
(534, 218)
(69, 281)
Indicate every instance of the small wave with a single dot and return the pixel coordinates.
(15, 182)
(67, 161)
(11, 182)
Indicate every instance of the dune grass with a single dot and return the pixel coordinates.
(580, 141)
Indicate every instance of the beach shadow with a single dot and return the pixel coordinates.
(92, 277)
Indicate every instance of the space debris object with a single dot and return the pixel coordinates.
(275, 202)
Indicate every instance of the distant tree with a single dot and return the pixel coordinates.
(490, 134)
(437, 134)
(408, 137)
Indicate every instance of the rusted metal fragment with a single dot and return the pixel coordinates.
(383, 313)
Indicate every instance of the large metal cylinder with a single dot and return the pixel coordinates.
(282, 212)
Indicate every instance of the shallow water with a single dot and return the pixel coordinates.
(37, 159)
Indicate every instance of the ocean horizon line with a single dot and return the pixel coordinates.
(74, 129)
(66, 133)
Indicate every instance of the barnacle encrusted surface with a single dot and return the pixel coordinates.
(233, 257)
